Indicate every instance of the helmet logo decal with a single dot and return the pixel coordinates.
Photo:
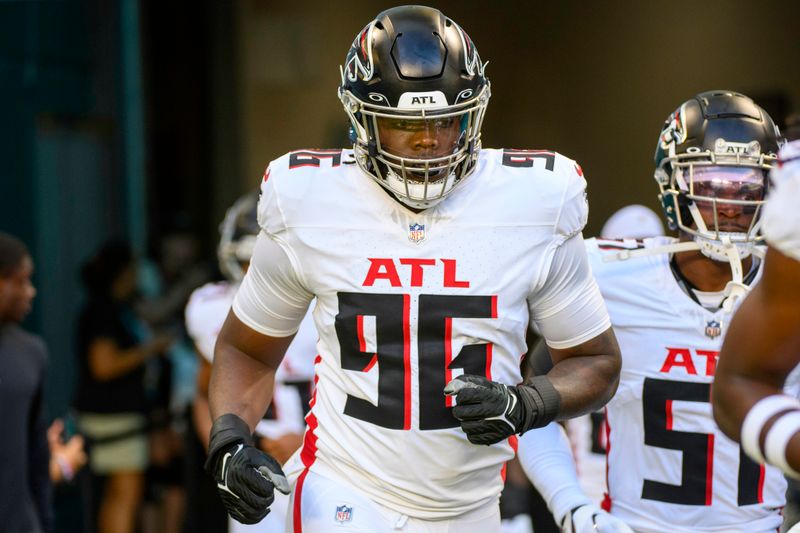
(422, 100)
(674, 130)
(721, 146)
(472, 61)
(359, 60)
(378, 97)
(464, 95)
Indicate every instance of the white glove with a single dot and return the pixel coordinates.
(590, 518)
(521, 523)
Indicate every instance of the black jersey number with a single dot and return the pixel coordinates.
(392, 354)
(697, 469)
(525, 158)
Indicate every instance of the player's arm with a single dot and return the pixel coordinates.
(245, 361)
(265, 315)
(571, 315)
(547, 460)
(761, 347)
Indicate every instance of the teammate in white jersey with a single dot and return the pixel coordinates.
(428, 257)
(763, 345)
(280, 433)
(669, 468)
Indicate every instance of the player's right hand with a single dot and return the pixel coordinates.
(590, 518)
(246, 477)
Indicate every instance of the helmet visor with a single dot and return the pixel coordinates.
(727, 197)
(425, 145)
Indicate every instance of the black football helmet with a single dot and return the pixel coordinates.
(712, 158)
(413, 69)
(238, 232)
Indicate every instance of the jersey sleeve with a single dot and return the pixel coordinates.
(546, 458)
(272, 299)
(781, 220)
(568, 309)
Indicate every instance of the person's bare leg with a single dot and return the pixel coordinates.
(121, 502)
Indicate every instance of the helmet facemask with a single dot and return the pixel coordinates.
(238, 234)
(716, 198)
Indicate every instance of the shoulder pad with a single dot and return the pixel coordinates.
(290, 176)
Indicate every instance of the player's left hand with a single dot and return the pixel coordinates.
(489, 412)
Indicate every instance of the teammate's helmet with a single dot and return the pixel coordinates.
(238, 232)
(413, 69)
(713, 155)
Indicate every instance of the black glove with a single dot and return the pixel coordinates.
(246, 477)
(490, 412)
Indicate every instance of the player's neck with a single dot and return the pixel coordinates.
(706, 274)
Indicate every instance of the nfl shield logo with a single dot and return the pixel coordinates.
(344, 514)
(416, 233)
(713, 329)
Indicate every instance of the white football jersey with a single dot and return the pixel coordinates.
(669, 467)
(781, 219)
(206, 311)
(407, 301)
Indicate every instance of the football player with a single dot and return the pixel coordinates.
(763, 344)
(669, 468)
(428, 256)
(279, 433)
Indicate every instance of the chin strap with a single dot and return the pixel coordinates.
(624, 255)
(736, 288)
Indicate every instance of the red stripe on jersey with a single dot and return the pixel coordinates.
(407, 361)
(489, 350)
(371, 363)
(313, 399)
(297, 515)
(513, 441)
(448, 356)
(362, 343)
(309, 453)
(669, 415)
(710, 469)
(606, 503)
(761, 475)
(494, 306)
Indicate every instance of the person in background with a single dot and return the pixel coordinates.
(25, 487)
(113, 350)
(671, 300)
(633, 221)
(280, 432)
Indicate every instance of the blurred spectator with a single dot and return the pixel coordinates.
(113, 350)
(66, 456)
(633, 222)
(25, 490)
